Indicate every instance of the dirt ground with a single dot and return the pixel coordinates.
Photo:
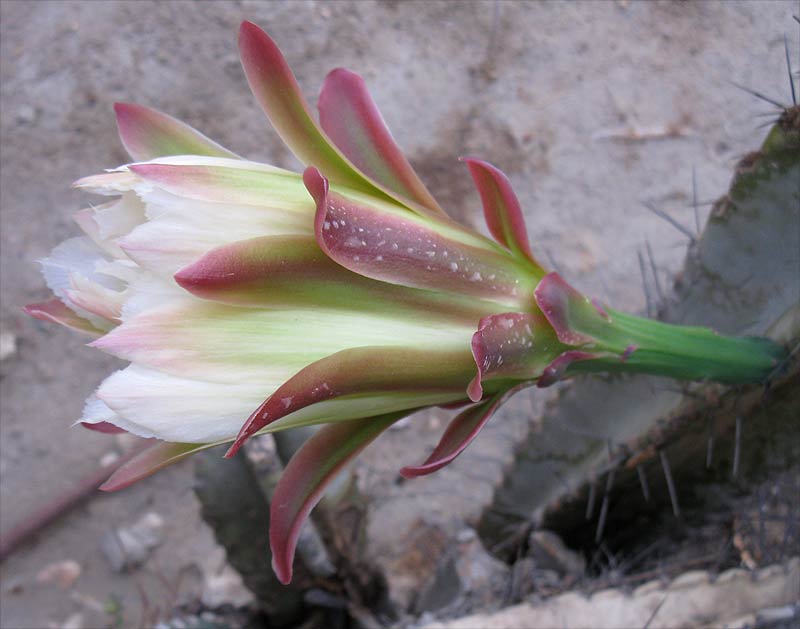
(591, 108)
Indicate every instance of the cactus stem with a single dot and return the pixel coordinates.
(688, 353)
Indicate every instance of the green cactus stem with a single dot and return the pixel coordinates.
(692, 353)
(602, 339)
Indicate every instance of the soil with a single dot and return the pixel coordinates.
(591, 109)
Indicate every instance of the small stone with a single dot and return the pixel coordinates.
(434, 422)
(127, 547)
(646, 588)
(321, 598)
(465, 536)
(8, 345)
(690, 579)
(108, 459)
(73, 622)
(61, 573)
(401, 424)
(26, 114)
(87, 602)
(125, 440)
(15, 585)
(261, 449)
(777, 614)
(733, 575)
(225, 588)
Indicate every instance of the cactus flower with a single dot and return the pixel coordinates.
(249, 299)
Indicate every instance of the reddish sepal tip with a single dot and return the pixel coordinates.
(104, 427)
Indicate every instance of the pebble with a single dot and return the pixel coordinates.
(130, 546)
(60, 573)
(73, 622)
(401, 424)
(8, 345)
(26, 114)
(108, 459)
(225, 588)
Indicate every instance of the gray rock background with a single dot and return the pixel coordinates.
(535, 88)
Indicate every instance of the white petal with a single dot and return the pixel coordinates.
(166, 244)
(150, 403)
(126, 271)
(188, 215)
(76, 255)
(181, 230)
(96, 411)
(119, 217)
(108, 221)
(95, 298)
(148, 291)
(232, 344)
(71, 269)
(179, 409)
(224, 162)
(112, 182)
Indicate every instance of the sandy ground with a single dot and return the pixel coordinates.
(591, 108)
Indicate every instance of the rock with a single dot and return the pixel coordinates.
(443, 591)
(483, 577)
(466, 577)
(737, 600)
(75, 621)
(416, 559)
(225, 588)
(528, 578)
(61, 573)
(130, 546)
(192, 582)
